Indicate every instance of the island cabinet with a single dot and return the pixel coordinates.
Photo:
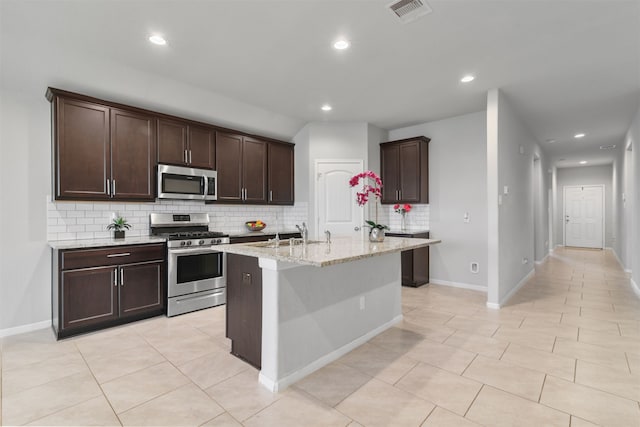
(414, 262)
(101, 152)
(100, 287)
(241, 162)
(183, 143)
(244, 308)
(280, 174)
(405, 170)
(244, 300)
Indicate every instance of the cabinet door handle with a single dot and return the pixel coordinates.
(120, 254)
(115, 277)
(114, 188)
(186, 160)
(121, 277)
(189, 156)
(271, 195)
(108, 187)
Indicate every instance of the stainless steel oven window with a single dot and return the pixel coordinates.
(200, 270)
(192, 268)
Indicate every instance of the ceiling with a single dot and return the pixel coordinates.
(566, 66)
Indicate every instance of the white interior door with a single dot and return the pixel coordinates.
(583, 216)
(338, 210)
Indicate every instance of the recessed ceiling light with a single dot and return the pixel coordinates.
(608, 147)
(341, 44)
(579, 135)
(156, 39)
(551, 140)
(326, 107)
(583, 162)
(468, 78)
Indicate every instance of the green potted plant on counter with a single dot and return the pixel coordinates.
(118, 225)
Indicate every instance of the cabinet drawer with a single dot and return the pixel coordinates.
(83, 258)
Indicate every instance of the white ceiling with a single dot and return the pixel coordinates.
(566, 66)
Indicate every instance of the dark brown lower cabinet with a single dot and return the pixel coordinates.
(415, 262)
(102, 287)
(244, 308)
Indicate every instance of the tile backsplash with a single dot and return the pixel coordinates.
(88, 220)
(418, 218)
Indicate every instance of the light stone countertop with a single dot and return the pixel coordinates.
(97, 243)
(321, 254)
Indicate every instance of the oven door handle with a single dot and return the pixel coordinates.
(194, 251)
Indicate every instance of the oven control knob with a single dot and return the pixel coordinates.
(183, 243)
(189, 242)
(201, 242)
(218, 241)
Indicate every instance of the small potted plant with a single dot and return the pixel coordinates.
(118, 225)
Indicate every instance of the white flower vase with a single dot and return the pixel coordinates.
(403, 221)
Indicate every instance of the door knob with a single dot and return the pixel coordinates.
(356, 228)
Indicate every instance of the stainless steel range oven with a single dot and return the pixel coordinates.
(196, 270)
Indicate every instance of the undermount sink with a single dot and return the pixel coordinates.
(282, 243)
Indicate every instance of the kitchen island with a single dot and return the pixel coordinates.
(321, 300)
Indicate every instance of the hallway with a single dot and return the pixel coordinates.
(564, 352)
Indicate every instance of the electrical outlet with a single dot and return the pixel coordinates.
(466, 218)
(474, 267)
(525, 260)
(362, 303)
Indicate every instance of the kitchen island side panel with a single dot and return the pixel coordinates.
(312, 316)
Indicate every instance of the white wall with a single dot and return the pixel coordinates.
(541, 187)
(457, 184)
(587, 175)
(339, 141)
(629, 226)
(511, 149)
(28, 67)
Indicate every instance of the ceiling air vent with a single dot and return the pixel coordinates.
(409, 10)
(607, 147)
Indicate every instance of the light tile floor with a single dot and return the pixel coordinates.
(565, 351)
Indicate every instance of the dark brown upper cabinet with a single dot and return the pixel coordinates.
(107, 151)
(184, 144)
(404, 168)
(101, 152)
(241, 163)
(280, 174)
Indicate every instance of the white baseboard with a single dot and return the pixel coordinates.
(511, 293)
(543, 259)
(25, 328)
(458, 285)
(615, 254)
(635, 288)
(276, 385)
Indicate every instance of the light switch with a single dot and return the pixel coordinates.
(506, 190)
(466, 218)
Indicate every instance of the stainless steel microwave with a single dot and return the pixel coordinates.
(177, 182)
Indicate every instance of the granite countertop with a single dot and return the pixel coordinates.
(96, 243)
(321, 254)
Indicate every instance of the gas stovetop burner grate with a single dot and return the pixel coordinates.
(194, 235)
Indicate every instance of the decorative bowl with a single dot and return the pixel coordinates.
(255, 225)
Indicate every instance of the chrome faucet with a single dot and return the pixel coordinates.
(304, 232)
(327, 235)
